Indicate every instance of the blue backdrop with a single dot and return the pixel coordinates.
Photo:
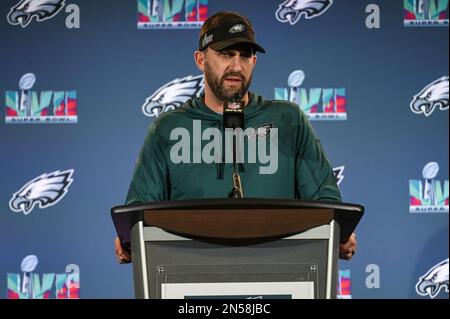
(110, 67)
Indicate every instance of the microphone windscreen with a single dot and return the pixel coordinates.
(233, 114)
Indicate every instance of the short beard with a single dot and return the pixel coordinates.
(219, 90)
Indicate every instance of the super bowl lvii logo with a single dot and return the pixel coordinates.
(317, 103)
(427, 195)
(47, 107)
(30, 285)
(425, 13)
(344, 285)
(172, 14)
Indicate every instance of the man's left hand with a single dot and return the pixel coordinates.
(348, 249)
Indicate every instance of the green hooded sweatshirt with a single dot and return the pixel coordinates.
(302, 171)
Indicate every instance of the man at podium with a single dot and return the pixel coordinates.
(187, 153)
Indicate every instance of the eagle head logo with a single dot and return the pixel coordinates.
(261, 131)
(292, 10)
(45, 190)
(434, 280)
(432, 96)
(172, 95)
(23, 12)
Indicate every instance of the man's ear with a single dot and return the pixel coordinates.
(199, 57)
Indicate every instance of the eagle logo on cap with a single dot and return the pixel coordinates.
(237, 28)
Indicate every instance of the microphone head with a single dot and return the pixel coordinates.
(233, 114)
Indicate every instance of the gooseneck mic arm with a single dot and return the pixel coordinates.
(233, 116)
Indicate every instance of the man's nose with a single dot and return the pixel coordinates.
(235, 63)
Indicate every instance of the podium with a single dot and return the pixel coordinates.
(235, 248)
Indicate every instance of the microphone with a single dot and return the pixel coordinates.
(233, 114)
(233, 117)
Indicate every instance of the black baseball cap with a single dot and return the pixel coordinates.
(228, 34)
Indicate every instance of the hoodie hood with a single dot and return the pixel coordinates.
(199, 110)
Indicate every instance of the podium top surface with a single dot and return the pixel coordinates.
(236, 218)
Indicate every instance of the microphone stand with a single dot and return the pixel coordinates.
(233, 115)
(236, 191)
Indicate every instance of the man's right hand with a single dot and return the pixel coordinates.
(123, 256)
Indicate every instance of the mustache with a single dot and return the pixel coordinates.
(233, 74)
